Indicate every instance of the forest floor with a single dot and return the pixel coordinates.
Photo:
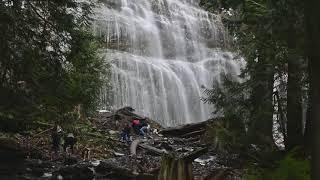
(29, 157)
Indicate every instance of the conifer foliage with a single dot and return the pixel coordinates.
(48, 61)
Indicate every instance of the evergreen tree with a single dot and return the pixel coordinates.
(313, 32)
(269, 35)
(48, 61)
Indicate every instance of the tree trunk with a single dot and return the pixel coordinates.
(281, 118)
(315, 111)
(313, 32)
(177, 169)
(308, 126)
(260, 128)
(294, 96)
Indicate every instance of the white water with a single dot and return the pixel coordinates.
(162, 53)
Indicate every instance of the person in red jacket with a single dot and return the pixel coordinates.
(136, 126)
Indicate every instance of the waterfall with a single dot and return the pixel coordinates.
(162, 55)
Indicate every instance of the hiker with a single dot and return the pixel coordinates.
(136, 126)
(55, 141)
(69, 141)
(144, 126)
(125, 134)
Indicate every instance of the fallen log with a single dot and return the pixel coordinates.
(194, 155)
(183, 130)
(128, 111)
(153, 149)
(194, 133)
(186, 140)
(134, 145)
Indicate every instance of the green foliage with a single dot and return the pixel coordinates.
(220, 136)
(289, 168)
(48, 62)
(268, 35)
(230, 100)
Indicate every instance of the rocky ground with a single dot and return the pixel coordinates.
(109, 157)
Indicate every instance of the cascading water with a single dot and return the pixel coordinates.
(162, 54)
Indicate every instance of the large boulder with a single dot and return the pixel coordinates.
(76, 172)
(111, 171)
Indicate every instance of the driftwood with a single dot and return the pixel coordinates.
(194, 133)
(134, 145)
(153, 149)
(194, 155)
(186, 140)
(184, 130)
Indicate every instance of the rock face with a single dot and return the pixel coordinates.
(121, 117)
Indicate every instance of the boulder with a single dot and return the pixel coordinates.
(111, 170)
(77, 172)
(71, 160)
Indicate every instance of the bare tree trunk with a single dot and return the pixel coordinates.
(281, 117)
(308, 126)
(177, 169)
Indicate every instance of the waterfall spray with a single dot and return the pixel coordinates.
(162, 54)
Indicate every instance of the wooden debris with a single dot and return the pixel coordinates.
(194, 155)
(177, 169)
(185, 131)
(134, 145)
(153, 149)
(194, 133)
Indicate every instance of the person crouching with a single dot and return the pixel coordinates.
(125, 133)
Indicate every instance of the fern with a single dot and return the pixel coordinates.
(289, 168)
